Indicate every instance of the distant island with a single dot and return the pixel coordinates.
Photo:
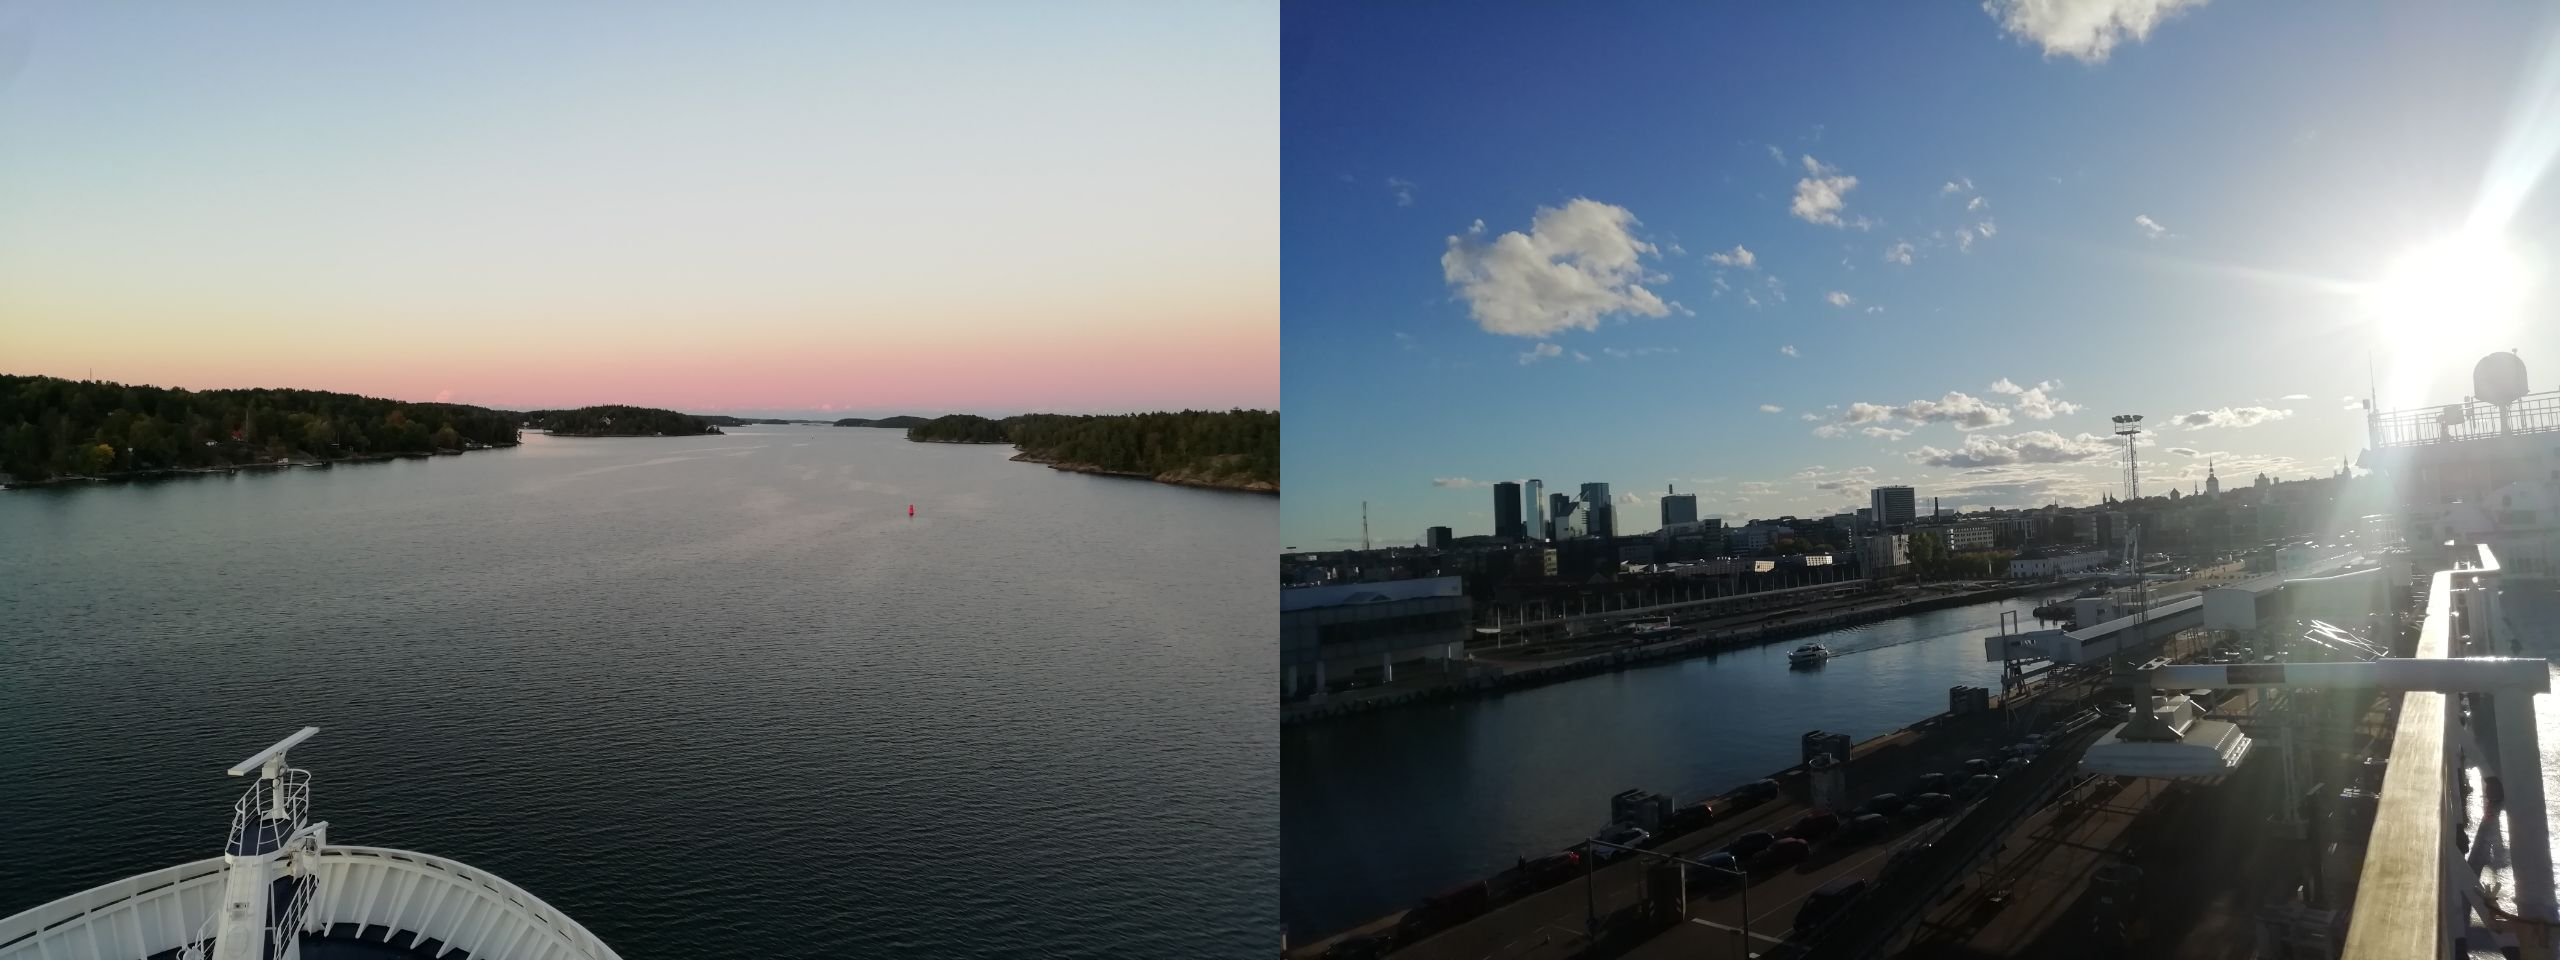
(721, 421)
(618, 421)
(1223, 450)
(54, 429)
(900, 422)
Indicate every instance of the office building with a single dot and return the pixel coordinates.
(1437, 538)
(1894, 507)
(1603, 520)
(1558, 506)
(1506, 512)
(1678, 508)
(1534, 505)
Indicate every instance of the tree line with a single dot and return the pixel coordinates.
(51, 427)
(1229, 443)
(614, 420)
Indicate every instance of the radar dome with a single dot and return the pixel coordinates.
(2498, 378)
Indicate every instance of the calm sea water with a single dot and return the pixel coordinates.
(713, 696)
(1381, 810)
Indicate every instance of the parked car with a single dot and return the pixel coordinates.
(1553, 868)
(1750, 844)
(1867, 828)
(1929, 783)
(1823, 904)
(1929, 805)
(1972, 767)
(1886, 803)
(1786, 852)
(1690, 817)
(1760, 791)
(1624, 835)
(1815, 825)
(1977, 785)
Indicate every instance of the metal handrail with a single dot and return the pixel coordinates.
(2401, 908)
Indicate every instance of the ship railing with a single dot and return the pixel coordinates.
(2466, 420)
(295, 785)
(2417, 890)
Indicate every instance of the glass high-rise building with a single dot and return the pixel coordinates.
(1559, 506)
(1679, 508)
(1534, 503)
(1506, 511)
(1893, 506)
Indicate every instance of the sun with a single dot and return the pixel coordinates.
(2448, 295)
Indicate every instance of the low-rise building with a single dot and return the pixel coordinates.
(1369, 631)
(2055, 563)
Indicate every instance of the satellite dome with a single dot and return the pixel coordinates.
(2499, 378)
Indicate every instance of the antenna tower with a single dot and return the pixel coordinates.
(2129, 426)
(1364, 526)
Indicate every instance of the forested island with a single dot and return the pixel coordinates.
(726, 421)
(617, 421)
(903, 422)
(1227, 450)
(52, 429)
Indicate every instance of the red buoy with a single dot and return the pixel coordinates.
(911, 509)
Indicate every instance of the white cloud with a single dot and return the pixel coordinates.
(2230, 417)
(1772, 408)
(2084, 29)
(1839, 299)
(1542, 351)
(1820, 196)
(1961, 410)
(1577, 264)
(444, 396)
(2150, 228)
(1581, 356)
(2185, 451)
(1403, 189)
(2033, 446)
(1885, 433)
(1789, 350)
(1738, 257)
(1861, 471)
(2036, 402)
(1830, 431)
(1974, 204)
(1900, 253)
(1616, 353)
(2295, 396)
(1809, 417)
(1958, 185)
(1458, 483)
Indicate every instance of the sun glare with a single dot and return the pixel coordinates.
(2461, 285)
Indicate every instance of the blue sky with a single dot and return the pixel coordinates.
(1994, 226)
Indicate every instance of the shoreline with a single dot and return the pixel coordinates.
(1170, 479)
(1645, 655)
(133, 476)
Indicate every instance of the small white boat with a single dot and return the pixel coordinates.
(1809, 655)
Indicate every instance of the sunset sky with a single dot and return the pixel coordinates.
(1777, 254)
(752, 208)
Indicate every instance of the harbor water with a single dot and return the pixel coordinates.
(1383, 809)
(712, 696)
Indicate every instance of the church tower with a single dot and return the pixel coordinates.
(2212, 484)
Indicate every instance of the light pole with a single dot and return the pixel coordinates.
(1591, 919)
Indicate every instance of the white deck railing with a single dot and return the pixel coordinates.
(398, 896)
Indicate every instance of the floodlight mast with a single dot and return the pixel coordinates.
(2129, 426)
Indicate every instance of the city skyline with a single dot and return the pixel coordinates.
(1935, 246)
(795, 208)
